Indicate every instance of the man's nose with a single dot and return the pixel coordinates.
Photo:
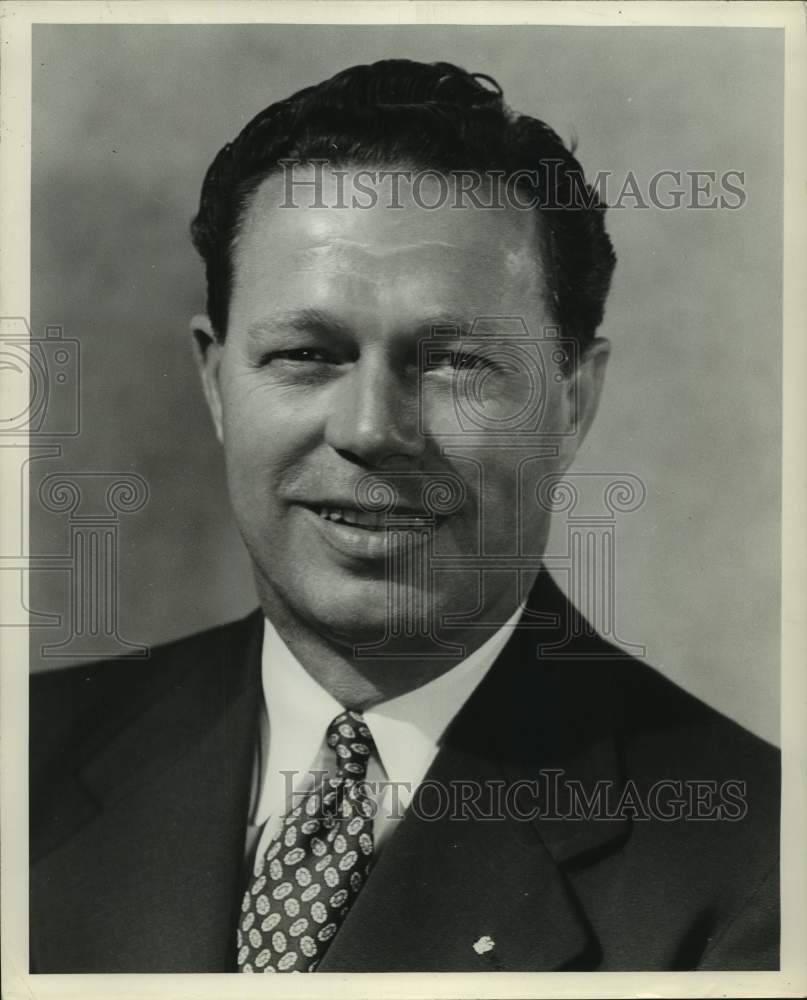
(374, 415)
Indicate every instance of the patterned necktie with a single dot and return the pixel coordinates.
(315, 866)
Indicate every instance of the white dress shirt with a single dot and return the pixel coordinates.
(406, 730)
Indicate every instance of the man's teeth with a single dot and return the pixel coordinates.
(365, 519)
(342, 515)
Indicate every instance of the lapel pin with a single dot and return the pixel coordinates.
(484, 945)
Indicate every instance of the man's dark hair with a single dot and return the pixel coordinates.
(431, 116)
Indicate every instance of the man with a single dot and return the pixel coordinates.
(417, 756)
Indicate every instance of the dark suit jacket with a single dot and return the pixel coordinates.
(140, 777)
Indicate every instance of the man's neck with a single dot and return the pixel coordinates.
(360, 683)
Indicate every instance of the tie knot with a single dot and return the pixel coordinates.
(352, 742)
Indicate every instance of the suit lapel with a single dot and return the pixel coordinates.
(442, 886)
(173, 787)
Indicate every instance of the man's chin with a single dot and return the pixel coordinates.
(339, 605)
(367, 613)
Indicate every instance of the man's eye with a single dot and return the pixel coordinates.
(302, 355)
(458, 361)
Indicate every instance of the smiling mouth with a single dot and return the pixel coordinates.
(372, 520)
(363, 538)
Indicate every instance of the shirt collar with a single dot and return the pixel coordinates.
(299, 710)
(406, 729)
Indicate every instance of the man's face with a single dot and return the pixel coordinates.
(348, 364)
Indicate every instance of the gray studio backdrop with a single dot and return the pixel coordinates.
(125, 121)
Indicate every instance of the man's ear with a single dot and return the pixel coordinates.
(583, 391)
(207, 350)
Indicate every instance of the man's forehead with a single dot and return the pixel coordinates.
(467, 247)
(381, 259)
(381, 229)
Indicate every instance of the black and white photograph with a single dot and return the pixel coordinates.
(403, 489)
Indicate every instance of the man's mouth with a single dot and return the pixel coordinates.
(367, 535)
(373, 520)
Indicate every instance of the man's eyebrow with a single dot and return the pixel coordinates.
(444, 325)
(312, 321)
(321, 323)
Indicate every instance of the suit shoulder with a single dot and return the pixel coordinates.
(89, 702)
(659, 724)
(667, 732)
(86, 683)
(658, 705)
